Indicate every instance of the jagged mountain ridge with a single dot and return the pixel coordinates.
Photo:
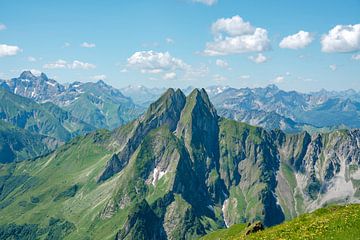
(97, 104)
(180, 171)
(272, 108)
(292, 111)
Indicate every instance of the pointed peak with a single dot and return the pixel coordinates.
(168, 99)
(43, 76)
(200, 95)
(32, 74)
(27, 75)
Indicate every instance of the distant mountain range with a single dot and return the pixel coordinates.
(179, 171)
(59, 112)
(97, 104)
(273, 108)
(51, 114)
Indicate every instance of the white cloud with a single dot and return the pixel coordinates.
(60, 64)
(88, 45)
(342, 38)
(31, 59)
(81, 65)
(206, 2)
(356, 56)
(297, 41)
(99, 77)
(234, 26)
(333, 67)
(8, 50)
(219, 78)
(260, 58)
(2, 26)
(222, 63)
(56, 65)
(155, 62)
(169, 76)
(152, 62)
(278, 79)
(169, 40)
(234, 36)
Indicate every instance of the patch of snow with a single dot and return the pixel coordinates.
(51, 84)
(223, 209)
(15, 91)
(157, 175)
(33, 93)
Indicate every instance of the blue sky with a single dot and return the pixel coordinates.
(177, 43)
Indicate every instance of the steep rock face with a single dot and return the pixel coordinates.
(39, 88)
(198, 128)
(249, 163)
(165, 111)
(318, 170)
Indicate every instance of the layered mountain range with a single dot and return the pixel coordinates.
(49, 114)
(97, 104)
(273, 108)
(178, 171)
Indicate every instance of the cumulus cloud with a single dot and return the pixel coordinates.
(356, 56)
(297, 41)
(2, 26)
(260, 58)
(222, 63)
(155, 62)
(8, 50)
(60, 64)
(234, 36)
(56, 65)
(342, 38)
(88, 45)
(81, 65)
(99, 77)
(206, 2)
(152, 62)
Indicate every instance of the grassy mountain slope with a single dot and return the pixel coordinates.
(335, 222)
(18, 144)
(46, 119)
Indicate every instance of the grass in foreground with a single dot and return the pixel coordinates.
(334, 222)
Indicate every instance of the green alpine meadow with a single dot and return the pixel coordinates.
(180, 120)
(180, 171)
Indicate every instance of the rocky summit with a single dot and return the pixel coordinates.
(179, 171)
